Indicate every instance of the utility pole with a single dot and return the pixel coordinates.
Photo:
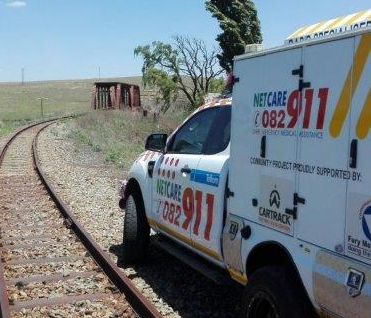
(22, 75)
(99, 72)
(41, 106)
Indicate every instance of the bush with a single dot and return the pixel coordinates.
(120, 135)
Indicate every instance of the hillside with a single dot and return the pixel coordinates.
(19, 102)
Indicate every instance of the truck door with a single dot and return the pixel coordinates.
(209, 182)
(324, 135)
(264, 139)
(358, 216)
(173, 193)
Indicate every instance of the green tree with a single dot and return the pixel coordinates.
(186, 66)
(239, 22)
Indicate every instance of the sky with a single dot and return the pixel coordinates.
(71, 39)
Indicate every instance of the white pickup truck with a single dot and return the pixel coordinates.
(275, 190)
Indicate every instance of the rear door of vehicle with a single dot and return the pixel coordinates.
(324, 140)
(209, 182)
(358, 219)
(264, 139)
(173, 193)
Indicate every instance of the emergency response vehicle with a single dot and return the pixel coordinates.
(276, 189)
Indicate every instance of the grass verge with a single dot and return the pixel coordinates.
(119, 135)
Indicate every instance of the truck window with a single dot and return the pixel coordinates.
(220, 132)
(191, 137)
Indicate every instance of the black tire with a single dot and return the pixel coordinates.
(136, 231)
(273, 292)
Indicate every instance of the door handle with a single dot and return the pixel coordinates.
(185, 170)
(263, 146)
(298, 200)
(293, 212)
(353, 154)
(150, 168)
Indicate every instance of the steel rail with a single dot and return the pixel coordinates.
(142, 306)
(4, 303)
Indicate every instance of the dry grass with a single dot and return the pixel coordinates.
(119, 135)
(19, 104)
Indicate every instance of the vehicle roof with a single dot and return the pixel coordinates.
(338, 24)
(222, 101)
(343, 35)
(225, 101)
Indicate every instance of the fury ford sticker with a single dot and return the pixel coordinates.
(358, 234)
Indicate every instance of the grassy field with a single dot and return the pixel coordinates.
(19, 104)
(119, 136)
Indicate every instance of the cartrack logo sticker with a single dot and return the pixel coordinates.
(275, 199)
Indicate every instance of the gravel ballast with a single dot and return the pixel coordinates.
(89, 187)
(27, 213)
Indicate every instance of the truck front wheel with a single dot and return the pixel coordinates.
(136, 231)
(272, 292)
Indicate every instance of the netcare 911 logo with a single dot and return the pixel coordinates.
(281, 111)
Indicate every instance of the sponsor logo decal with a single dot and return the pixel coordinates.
(359, 232)
(275, 199)
(365, 215)
(277, 217)
(273, 216)
(205, 177)
(233, 229)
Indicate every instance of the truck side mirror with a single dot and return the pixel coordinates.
(156, 142)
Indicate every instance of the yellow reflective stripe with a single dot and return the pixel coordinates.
(336, 21)
(364, 121)
(184, 239)
(350, 85)
(241, 278)
(311, 29)
(297, 32)
(357, 16)
(325, 25)
(316, 27)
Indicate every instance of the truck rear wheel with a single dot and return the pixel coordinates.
(272, 292)
(136, 231)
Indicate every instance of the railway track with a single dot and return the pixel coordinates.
(50, 266)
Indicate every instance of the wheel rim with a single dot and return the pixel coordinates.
(262, 306)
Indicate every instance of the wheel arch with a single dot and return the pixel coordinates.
(273, 253)
(266, 254)
(131, 187)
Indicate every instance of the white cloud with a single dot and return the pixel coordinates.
(16, 4)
